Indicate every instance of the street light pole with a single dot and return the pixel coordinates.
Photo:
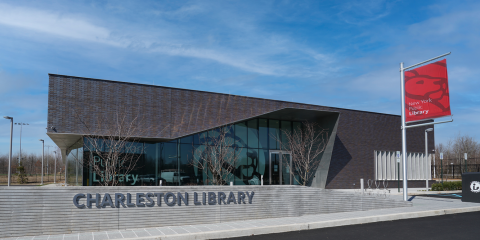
(434, 166)
(66, 165)
(453, 173)
(441, 166)
(43, 156)
(10, 155)
(48, 153)
(427, 171)
(21, 124)
(55, 172)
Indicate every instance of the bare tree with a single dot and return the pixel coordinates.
(4, 164)
(113, 146)
(453, 151)
(464, 144)
(217, 156)
(305, 145)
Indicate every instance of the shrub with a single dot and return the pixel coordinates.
(447, 186)
(21, 175)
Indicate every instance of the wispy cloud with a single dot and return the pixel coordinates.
(362, 12)
(453, 27)
(54, 23)
(253, 59)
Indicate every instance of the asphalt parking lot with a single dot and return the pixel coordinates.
(448, 227)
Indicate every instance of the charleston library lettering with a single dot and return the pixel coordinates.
(178, 123)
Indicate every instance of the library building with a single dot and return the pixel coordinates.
(176, 127)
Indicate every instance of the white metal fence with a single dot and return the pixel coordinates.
(387, 168)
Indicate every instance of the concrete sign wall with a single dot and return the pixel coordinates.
(47, 210)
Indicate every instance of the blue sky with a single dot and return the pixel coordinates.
(334, 53)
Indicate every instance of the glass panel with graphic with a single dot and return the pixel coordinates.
(263, 166)
(187, 171)
(263, 133)
(251, 142)
(147, 176)
(168, 167)
(253, 133)
(241, 134)
(143, 174)
(241, 167)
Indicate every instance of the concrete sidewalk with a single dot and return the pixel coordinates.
(422, 207)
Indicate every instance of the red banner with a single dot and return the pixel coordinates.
(426, 92)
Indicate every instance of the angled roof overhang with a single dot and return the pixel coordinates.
(297, 114)
(67, 140)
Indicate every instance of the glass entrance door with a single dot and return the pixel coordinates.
(280, 163)
(274, 168)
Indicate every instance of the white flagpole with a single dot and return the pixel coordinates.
(404, 128)
(404, 134)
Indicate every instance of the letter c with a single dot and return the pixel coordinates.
(75, 200)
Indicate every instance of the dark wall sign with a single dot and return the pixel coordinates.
(471, 187)
(118, 200)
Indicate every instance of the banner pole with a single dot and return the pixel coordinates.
(404, 134)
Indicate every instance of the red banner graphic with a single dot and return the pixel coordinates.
(426, 92)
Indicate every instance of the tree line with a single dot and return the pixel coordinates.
(32, 163)
(454, 150)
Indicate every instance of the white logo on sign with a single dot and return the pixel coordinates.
(475, 187)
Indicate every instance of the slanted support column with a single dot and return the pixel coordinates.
(64, 159)
(331, 123)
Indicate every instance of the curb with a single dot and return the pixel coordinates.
(308, 226)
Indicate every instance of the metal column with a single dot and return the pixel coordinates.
(404, 134)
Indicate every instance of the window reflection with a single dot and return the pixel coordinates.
(263, 133)
(172, 162)
(286, 128)
(241, 134)
(169, 164)
(186, 171)
(253, 133)
(274, 134)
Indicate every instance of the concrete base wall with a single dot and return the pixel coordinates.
(47, 210)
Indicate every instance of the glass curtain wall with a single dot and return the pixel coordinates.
(75, 164)
(171, 163)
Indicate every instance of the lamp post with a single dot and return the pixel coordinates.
(453, 173)
(66, 165)
(20, 124)
(398, 170)
(441, 166)
(465, 162)
(434, 165)
(10, 155)
(55, 171)
(427, 171)
(48, 153)
(43, 156)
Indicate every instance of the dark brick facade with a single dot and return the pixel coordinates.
(173, 113)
